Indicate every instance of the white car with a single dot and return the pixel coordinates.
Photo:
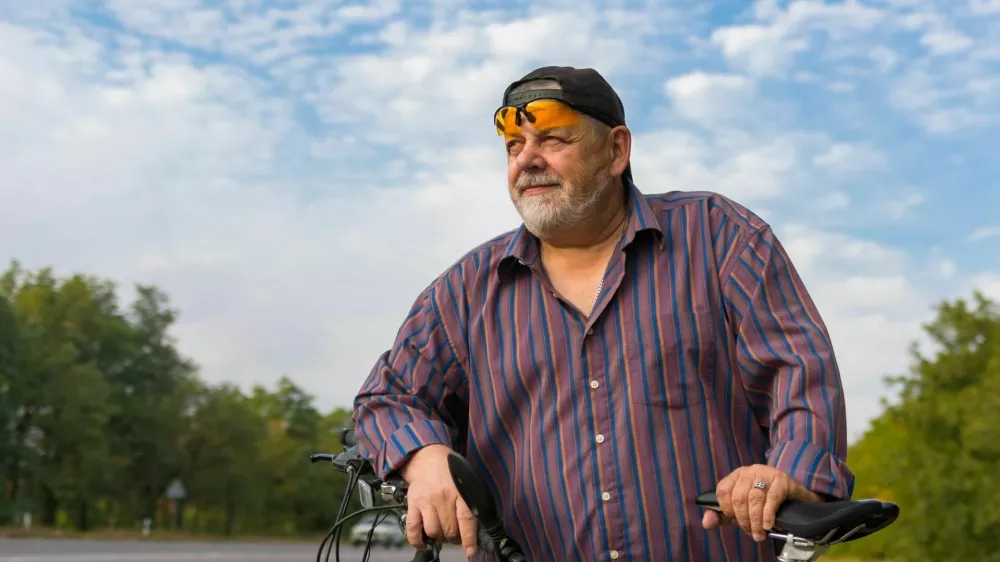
(388, 532)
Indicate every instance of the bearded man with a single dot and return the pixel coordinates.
(610, 359)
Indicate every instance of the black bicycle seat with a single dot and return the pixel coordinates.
(814, 521)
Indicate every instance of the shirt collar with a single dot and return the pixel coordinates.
(523, 247)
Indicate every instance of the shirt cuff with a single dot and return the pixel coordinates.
(815, 468)
(396, 450)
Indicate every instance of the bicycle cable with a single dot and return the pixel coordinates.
(338, 527)
(333, 533)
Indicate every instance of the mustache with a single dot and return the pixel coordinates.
(533, 180)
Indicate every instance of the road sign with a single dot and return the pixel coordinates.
(176, 490)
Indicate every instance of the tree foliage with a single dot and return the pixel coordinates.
(99, 412)
(936, 449)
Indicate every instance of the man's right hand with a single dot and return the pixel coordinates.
(435, 507)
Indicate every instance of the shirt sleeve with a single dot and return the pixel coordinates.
(409, 400)
(788, 367)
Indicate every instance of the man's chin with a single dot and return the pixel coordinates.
(539, 220)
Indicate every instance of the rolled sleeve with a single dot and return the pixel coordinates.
(788, 367)
(416, 393)
(814, 467)
(394, 451)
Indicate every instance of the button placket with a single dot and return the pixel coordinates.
(602, 422)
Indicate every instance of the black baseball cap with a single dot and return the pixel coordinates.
(584, 89)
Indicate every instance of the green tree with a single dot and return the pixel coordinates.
(64, 405)
(936, 451)
(223, 451)
(10, 399)
(154, 390)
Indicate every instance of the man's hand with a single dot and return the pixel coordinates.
(435, 508)
(753, 509)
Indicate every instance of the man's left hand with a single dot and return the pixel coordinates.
(753, 508)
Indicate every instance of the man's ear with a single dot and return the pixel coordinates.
(620, 139)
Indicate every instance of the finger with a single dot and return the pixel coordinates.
(755, 506)
(740, 501)
(468, 527)
(724, 492)
(414, 527)
(432, 523)
(448, 521)
(710, 520)
(714, 520)
(776, 494)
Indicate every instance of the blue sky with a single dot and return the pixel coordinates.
(293, 173)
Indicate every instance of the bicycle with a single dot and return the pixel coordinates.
(807, 529)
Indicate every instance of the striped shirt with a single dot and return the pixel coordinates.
(704, 353)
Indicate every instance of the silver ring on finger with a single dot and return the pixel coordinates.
(760, 485)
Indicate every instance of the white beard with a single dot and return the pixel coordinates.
(556, 209)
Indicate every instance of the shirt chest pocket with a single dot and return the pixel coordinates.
(672, 362)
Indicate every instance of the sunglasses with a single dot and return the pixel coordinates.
(541, 113)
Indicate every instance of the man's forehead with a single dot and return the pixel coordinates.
(532, 130)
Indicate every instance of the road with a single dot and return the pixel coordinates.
(32, 550)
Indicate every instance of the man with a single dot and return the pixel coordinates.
(610, 359)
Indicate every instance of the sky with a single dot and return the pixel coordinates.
(293, 173)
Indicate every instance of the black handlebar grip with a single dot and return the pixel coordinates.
(486, 542)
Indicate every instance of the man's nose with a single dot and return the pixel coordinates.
(530, 158)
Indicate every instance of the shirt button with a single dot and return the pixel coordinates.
(594, 384)
(614, 555)
(590, 332)
(600, 438)
(605, 496)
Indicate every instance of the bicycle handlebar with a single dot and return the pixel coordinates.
(492, 537)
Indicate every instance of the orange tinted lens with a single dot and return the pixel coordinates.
(542, 114)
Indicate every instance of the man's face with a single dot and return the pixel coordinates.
(557, 177)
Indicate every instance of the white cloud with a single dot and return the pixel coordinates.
(984, 233)
(897, 208)
(758, 49)
(984, 7)
(951, 88)
(945, 42)
(885, 58)
(845, 157)
(834, 201)
(947, 268)
(769, 48)
(708, 97)
(988, 283)
(748, 168)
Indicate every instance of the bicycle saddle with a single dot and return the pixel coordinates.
(815, 521)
